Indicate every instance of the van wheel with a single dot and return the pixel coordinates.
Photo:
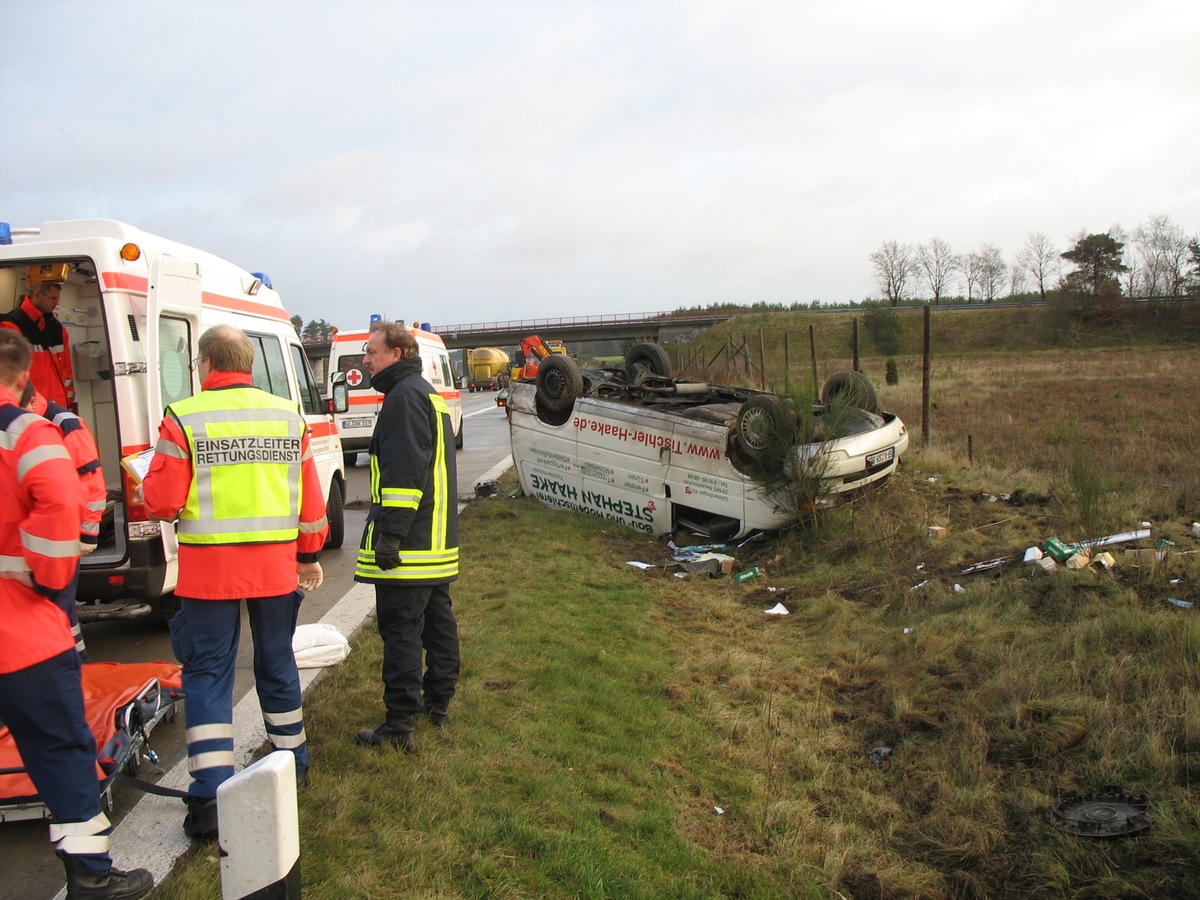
(559, 382)
(334, 513)
(858, 387)
(458, 438)
(647, 359)
(764, 422)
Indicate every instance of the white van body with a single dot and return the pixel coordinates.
(357, 424)
(134, 326)
(664, 463)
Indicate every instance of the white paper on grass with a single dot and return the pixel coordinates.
(318, 645)
(777, 610)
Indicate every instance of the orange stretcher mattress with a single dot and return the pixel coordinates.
(123, 702)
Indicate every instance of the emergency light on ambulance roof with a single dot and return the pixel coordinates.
(376, 317)
(263, 278)
(5, 233)
(130, 252)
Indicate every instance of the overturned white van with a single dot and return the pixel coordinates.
(640, 448)
(134, 305)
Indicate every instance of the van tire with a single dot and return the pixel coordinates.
(335, 514)
(559, 382)
(764, 422)
(647, 359)
(862, 391)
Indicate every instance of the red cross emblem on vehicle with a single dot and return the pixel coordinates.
(354, 378)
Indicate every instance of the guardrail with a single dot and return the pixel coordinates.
(534, 324)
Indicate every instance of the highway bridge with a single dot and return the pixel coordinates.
(658, 327)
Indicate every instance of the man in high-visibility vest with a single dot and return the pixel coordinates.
(233, 466)
(409, 548)
(41, 695)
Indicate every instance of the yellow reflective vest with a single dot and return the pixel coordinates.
(245, 446)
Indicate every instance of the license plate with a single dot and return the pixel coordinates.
(881, 457)
(358, 423)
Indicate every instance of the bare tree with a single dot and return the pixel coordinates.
(1041, 260)
(1016, 279)
(937, 263)
(972, 264)
(1162, 254)
(895, 264)
(992, 272)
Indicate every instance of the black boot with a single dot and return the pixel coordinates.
(200, 823)
(439, 714)
(397, 732)
(84, 884)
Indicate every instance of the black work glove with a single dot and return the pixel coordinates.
(387, 551)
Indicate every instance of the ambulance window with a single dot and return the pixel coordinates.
(356, 373)
(310, 395)
(174, 358)
(447, 378)
(268, 372)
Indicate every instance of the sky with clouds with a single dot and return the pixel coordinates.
(463, 161)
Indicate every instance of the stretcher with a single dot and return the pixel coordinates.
(123, 703)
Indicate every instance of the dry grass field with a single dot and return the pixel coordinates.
(905, 732)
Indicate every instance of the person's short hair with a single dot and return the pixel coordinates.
(397, 337)
(227, 349)
(16, 354)
(27, 394)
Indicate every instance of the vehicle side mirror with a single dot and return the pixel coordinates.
(339, 398)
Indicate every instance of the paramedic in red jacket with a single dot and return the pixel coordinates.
(41, 696)
(233, 465)
(82, 447)
(51, 371)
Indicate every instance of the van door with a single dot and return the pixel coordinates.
(172, 331)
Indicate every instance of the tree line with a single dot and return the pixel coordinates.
(1158, 260)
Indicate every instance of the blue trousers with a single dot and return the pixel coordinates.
(205, 636)
(42, 705)
(66, 601)
(420, 646)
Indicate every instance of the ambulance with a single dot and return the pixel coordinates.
(134, 306)
(356, 425)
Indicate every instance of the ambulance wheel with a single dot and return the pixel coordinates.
(559, 382)
(647, 359)
(334, 514)
(763, 422)
(858, 387)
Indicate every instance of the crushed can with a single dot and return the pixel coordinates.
(747, 574)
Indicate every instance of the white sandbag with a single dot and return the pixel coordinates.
(319, 645)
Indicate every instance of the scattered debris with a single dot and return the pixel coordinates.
(1109, 812)
(959, 589)
(777, 610)
(1182, 604)
(747, 574)
(938, 532)
(881, 757)
(719, 810)
(487, 488)
(986, 566)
